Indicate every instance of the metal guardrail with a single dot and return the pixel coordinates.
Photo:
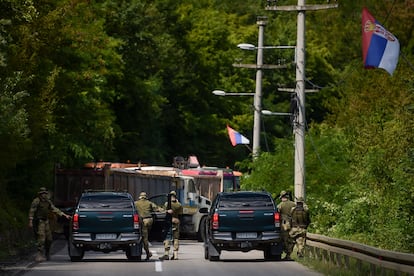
(339, 252)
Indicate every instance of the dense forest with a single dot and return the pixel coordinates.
(132, 81)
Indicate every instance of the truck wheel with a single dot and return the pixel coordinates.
(201, 234)
(75, 254)
(214, 258)
(206, 252)
(268, 256)
(133, 253)
(212, 254)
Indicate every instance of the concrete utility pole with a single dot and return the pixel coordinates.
(299, 125)
(258, 92)
(259, 66)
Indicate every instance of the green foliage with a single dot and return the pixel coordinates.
(131, 80)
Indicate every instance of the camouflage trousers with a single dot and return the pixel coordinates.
(43, 236)
(298, 235)
(146, 228)
(175, 237)
(288, 242)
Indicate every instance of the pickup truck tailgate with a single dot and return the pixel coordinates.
(101, 221)
(246, 220)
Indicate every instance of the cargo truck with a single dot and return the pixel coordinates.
(194, 190)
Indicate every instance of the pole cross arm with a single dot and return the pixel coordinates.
(302, 8)
(263, 66)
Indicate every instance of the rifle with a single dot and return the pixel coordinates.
(168, 221)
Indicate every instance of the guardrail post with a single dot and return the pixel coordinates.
(346, 261)
(359, 265)
(318, 253)
(325, 257)
(339, 260)
(332, 257)
(373, 270)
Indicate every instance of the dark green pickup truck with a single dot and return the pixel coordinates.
(243, 221)
(105, 221)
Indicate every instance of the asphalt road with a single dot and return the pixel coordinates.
(191, 262)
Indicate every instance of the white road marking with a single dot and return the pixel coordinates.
(158, 264)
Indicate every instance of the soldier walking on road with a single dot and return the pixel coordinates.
(284, 209)
(145, 210)
(300, 222)
(39, 221)
(175, 211)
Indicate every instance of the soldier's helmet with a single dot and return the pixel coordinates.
(283, 194)
(43, 190)
(142, 195)
(173, 193)
(300, 199)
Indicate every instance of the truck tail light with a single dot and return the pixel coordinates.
(215, 223)
(75, 222)
(136, 221)
(277, 219)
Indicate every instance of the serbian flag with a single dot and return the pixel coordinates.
(236, 138)
(380, 48)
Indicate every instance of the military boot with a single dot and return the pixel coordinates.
(149, 255)
(164, 257)
(175, 256)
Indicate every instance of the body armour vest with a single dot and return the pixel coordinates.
(300, 217)
(42, 209)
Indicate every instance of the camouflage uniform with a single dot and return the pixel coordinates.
(284, 209)
(177, 210)
(39, 220)
(145, 209)
(300, 222)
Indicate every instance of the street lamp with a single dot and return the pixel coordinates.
(224, 93)
(270, 113)
(251, 47)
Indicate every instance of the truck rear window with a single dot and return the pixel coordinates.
(105, 201)
(243, 200)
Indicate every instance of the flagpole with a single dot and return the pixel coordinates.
(249, 148)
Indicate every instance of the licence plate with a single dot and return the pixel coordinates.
(248, 235)
(105, 236)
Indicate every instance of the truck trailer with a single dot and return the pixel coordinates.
(194, 190)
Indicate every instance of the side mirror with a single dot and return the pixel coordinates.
(203, 210)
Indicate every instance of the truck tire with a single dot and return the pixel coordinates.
(269, 256)
(75, 254)
(133, 253)
(206, 252)
(201, 234)
(212, 253)
(214, 258)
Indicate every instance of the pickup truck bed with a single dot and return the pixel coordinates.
(243, 221)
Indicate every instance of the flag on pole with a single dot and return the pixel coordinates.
(236, 138)
(380, 48)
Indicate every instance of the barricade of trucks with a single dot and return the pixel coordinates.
(196, 187)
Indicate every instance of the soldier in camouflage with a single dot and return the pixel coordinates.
(284, 209)
(300, 222)
(39, 221)
(145, 210)
(176, 211)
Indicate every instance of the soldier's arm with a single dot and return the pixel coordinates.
(32, 211)
(57, 211)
